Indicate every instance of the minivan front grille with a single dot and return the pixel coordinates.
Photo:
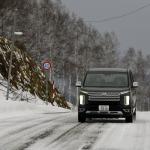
(104, 99)
(104, 93)
(104, 96)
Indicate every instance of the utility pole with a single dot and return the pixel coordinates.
(70, 81)
(38, 44)
(63, 71)
(77, 77)
(11, 56)
(52, 67)
(50, 57)
(11, 53)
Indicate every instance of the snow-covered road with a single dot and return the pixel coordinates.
(57, 131)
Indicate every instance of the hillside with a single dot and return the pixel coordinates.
(26, 75)
(50, 30)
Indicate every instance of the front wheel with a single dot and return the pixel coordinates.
(134, 115)
(81, 117)
(129, 119)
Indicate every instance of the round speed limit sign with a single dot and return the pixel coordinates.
(46, 65)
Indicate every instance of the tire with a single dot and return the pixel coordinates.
(129, 119)
(134, 115)
(81, 117)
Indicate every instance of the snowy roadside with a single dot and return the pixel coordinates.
(16, 108)
(11, 108)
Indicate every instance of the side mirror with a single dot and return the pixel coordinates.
(78, 84)
(135, 84)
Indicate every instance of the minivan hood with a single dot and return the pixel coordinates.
(94, 89)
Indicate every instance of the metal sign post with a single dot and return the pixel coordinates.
(47, 67)
(46, 88)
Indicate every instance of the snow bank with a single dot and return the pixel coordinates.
(9, 108)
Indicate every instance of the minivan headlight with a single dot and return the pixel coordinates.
(82, 100)
(126, 100)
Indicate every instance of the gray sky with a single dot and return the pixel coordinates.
(132, 31)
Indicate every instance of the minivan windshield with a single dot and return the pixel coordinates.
(106, 79)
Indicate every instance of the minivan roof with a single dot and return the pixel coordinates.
(108, 69)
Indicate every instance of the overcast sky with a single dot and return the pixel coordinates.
(132, 31)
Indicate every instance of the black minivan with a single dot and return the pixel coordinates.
(107, 93)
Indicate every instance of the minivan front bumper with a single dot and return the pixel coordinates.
(119, 112)
(108, 114)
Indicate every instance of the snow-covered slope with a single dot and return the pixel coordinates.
(26, 74)
(9, 108)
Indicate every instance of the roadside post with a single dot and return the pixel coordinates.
(46, 65)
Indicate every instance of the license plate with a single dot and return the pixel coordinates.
(103, 107)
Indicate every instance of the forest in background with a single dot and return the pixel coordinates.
(50, 31)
